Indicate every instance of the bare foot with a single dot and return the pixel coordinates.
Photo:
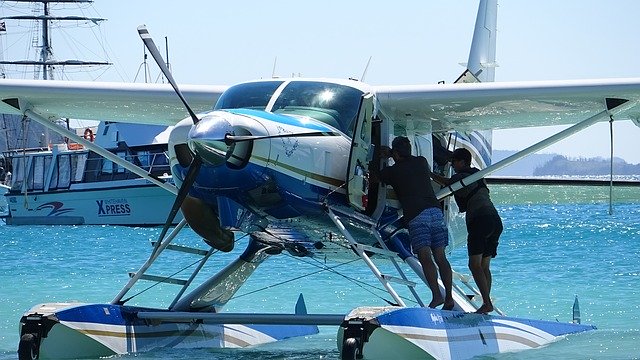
(436, 302)
(485, 309)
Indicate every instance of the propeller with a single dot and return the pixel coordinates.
(201, 218)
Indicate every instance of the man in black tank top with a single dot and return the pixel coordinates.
(410, 178)
(484, 225)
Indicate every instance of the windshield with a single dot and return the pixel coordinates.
(248, 96)
(333, 104)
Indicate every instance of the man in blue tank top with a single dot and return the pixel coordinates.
(484, 225)
(410, 177)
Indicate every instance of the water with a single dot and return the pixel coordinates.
(558, 242)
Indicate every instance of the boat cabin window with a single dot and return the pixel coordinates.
(248, 96)
(152, 159)
(37, 173)
(19, 165)
(334, 104)
(68, 169)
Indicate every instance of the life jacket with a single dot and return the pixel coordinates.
(461, 200)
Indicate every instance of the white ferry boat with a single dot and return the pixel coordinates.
(56, 181)
(67, 184)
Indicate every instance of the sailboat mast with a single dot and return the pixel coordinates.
(46, 46)
(46, 61)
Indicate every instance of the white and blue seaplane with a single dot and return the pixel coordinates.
(287, 161)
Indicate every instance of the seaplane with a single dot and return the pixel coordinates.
(284, 167)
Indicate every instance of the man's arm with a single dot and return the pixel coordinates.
(440, 179)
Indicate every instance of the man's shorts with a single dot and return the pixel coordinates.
(428, 230)
(484, 232)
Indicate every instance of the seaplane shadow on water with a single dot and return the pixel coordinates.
(290, 163)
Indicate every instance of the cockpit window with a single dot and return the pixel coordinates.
(254, 95)
(333, 104)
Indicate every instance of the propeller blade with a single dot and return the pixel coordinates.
(194, 168)
(148, 42)
(228, 138)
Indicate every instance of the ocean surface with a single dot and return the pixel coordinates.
(558, 242)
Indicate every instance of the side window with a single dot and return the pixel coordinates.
(38, 172)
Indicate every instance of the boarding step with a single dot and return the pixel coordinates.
(160, 279)
(376, 250)
(184, 249)
(398, 280)
(350, 212)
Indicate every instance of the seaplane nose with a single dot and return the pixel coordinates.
(207, 138)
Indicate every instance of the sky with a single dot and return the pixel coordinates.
(409, 42)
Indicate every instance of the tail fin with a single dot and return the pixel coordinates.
(480, 68)
(482, 56)
(576, 311)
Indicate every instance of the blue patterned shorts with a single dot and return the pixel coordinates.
(428, 229)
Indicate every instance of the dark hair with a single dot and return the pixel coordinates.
(402, 146)
(461, 154)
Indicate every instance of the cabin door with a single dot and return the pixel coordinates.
(366, 136)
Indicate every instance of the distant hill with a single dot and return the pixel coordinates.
(557, 165)
(524, 167)
(560, 165)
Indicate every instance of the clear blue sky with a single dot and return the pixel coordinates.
(411, 42)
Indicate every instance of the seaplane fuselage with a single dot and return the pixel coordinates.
(252, 153)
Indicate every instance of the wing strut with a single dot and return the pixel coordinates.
(614, 106)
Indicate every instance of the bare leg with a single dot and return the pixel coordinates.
(475, 265)
(431, 274)
(446, 276)
(486, 262)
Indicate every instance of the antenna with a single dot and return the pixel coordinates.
(166, 49)
(144, 66)
(273, 72)
(364, 73)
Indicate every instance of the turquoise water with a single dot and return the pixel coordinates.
(551, 250)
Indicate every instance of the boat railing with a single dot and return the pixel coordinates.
(98, 169)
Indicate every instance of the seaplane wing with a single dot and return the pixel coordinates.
(123, 102)
(503, 105)
(444, 107)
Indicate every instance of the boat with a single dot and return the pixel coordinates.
(68, 184)
(4, 208)
(58, 181)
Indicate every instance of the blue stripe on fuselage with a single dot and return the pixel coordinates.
(278, 118)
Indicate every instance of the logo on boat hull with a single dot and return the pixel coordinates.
(56, 208)
(113, 207)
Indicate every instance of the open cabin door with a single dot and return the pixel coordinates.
(363, 195)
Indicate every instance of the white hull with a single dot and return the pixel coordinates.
(3, 201)
(73, 330)
(423, 333)
(133, 202)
